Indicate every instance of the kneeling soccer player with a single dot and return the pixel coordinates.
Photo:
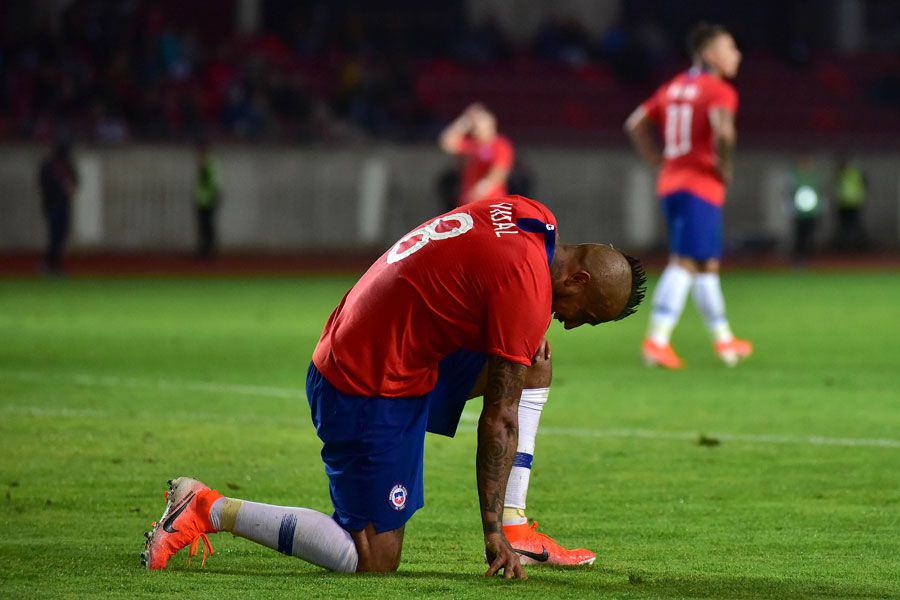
(456, 309)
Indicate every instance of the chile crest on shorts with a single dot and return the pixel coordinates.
(397, 497)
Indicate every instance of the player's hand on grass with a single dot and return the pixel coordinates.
(501, 557)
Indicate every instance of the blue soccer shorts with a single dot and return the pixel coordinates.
(694, 225)
(374, 447)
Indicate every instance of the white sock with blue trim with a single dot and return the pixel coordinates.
(711, 304)
(301, 532)
(668, 303)
(530, 406)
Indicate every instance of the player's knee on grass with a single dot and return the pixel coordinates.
(378, 552)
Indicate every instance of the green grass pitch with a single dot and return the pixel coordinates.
(110, 387)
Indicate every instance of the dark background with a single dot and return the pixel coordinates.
(816, 72)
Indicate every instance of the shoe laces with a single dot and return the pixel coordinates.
(545, 540)
(535, 532)
(195, 548)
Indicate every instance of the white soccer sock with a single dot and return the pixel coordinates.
(530, 406)
(711, 304)
(668, 303)
(301, 532)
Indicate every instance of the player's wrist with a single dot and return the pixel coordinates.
(495, 542)
(492, 528)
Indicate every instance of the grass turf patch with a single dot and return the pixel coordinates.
(110, 387)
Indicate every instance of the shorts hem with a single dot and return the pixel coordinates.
(352, 524)
(696, 256)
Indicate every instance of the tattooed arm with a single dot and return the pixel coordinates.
(498, 435)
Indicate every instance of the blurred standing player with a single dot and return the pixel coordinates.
(695, 114)
(58, 181)
(456, 309)
(207, 193)
(488, 156)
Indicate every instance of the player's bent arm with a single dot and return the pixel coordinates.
(725, 135)
(640, 129)
(496, 176)
(452, 135)
(498, 435)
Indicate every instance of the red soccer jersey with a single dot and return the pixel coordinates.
(682, 109)
(479, 160)
(469, 279)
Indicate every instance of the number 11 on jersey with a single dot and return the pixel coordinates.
(678, 129)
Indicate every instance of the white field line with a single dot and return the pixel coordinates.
(468, 418)
(162, 384)
(650, 434)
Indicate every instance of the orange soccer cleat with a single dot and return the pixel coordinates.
(734, 351)
(663, 356)
(540, 549)
(185, 522)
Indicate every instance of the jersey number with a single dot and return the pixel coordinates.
(442, 228)
(678, 129)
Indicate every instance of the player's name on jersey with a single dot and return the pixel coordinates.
(502, 217)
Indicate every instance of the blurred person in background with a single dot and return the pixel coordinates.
(520, 182)
(207, 194)
(58, 180)
(695, 115)
(850, 190)
(488, 156)
(806, 206)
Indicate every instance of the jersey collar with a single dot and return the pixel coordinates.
(698, 70)
(547, 229)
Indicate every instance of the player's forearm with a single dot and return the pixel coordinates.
(453, 134)
(494, 178)
(644, 144)
(725, 135)
(498, 435)
(639, 127)
(725, 151)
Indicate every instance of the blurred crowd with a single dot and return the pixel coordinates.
(120, 70)
(117, 70)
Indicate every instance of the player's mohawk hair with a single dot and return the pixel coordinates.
(638, 287)
(701, 34)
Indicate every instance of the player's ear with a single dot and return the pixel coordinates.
(579, 278)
